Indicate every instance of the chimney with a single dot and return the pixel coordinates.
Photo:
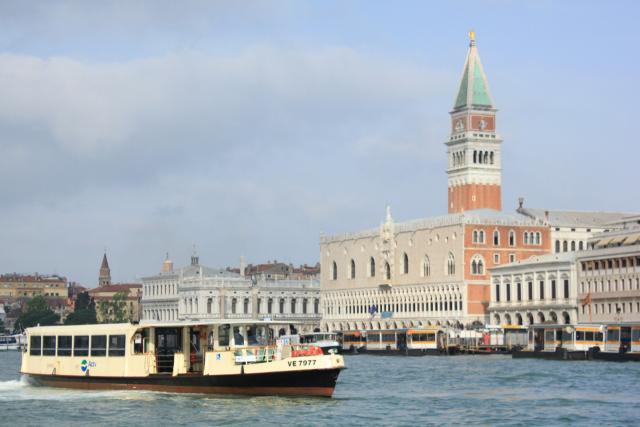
(546, 216)
(242, 265)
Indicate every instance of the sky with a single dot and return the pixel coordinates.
(251, 128)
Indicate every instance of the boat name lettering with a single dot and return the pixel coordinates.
(302, 362)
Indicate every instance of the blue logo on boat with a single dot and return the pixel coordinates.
(84, 365)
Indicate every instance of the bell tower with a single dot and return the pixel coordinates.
(473, 149)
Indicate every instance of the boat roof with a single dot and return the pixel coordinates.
(113, 327)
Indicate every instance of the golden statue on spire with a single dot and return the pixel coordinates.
(472, 37)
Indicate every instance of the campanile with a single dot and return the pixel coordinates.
(473, 149)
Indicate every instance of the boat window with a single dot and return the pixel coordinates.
(237, 336)
(140, 342)
(252, 335)
(566, 336)
(579, 335)
(49, 346)
(550, 335)
(389, 337)
(598, 336)
(635, 335)
(588, 336)
(81, 345)
(35, 346)
(64, 345)
(116, 345)
(613, 335)
(98, 345)
(223, 335)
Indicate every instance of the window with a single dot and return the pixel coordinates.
(258, 305)
(116, 345)
(209, 305)
(553, 289)
(496, 258)
(334, 271)
(49, 346)
(281, 305)
(557, 246)
(352, 274)
(426, 267)
(98, 345)
(223, 335)
(497, 292)
(541, 289)
(451, 265)
(573, 246)
(316, 305)
(81, 345)
(526, 237)
(496, 238)
(564, 246)
(270, 306)
(580, 246)
(530, 286)
(234, 303)
(405, 264)
(246, 306)
(293, 305)
(519, 291)
(566, 288)
(304, 306)
(512, 238)
(508, 292)
(387, 271)
(372, 267)
(477, 265)
(64, 345)
(512, 257)
(35, 345)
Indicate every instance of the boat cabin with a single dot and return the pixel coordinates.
(550, 337)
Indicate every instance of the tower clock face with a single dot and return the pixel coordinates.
(459, 125)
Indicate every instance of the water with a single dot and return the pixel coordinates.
(374, 390)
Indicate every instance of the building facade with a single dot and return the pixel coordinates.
(21, 285)
(609, 277)
(197, 292)
(425, 272)
(535, 290)
(571, 230)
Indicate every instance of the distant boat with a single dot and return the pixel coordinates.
(13, 342)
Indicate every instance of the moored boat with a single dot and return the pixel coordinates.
(12, 342)
(229, 357)
(327, 341)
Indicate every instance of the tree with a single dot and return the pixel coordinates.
(114, 310)
(84, 312)
(38, 313)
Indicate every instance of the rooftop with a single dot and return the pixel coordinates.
(557, 218)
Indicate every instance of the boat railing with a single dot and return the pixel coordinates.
(254, 354)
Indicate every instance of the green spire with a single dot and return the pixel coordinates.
(474, 89)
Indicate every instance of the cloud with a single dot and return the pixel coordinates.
(158, 152)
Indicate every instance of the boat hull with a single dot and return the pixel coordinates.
(550, 355)
(320, 382)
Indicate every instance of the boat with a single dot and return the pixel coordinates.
(563, 342)
(353, 341)
(327, 341)
(217, 357)
(613, 342)
(12, 342)
(408, 342)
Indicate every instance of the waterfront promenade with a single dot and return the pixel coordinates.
(470, 390)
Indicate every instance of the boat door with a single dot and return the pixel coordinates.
(625, 338)
(538, 339)
(401, 340)
(167, 344)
